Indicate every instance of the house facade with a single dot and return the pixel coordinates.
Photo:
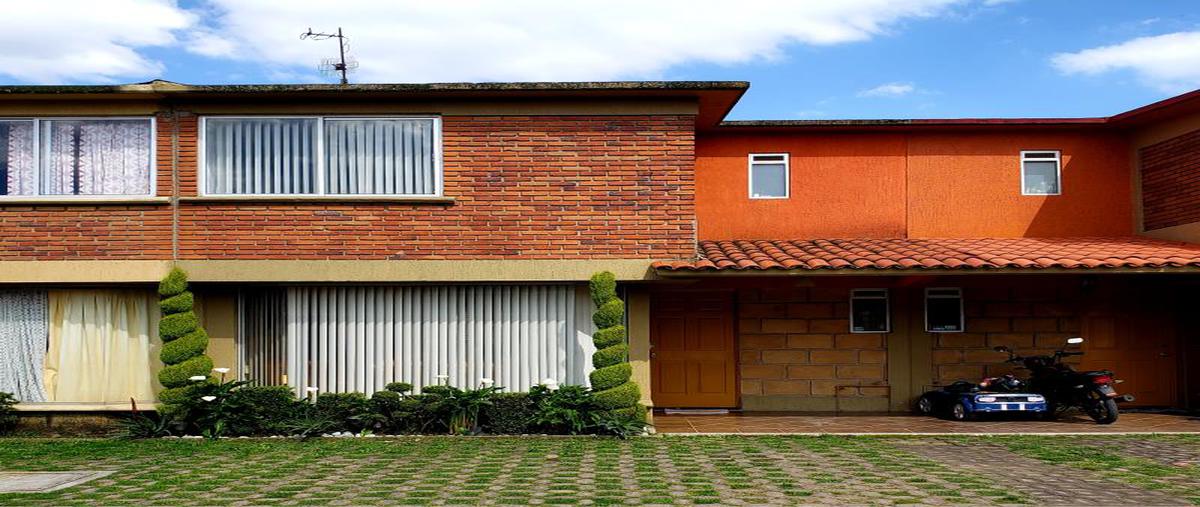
(344, 237)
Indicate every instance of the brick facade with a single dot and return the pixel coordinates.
(796, 342)
(525, 187)
(1170, 172)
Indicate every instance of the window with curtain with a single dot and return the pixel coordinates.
(76, 157)
(321, 156)
(23, 336)
(1040, 173)
(102, 346)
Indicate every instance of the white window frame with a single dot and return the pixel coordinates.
(962, 319)
(887, 308)
(37, 161)
(787, 174)
(1057, 170)
(319, 165)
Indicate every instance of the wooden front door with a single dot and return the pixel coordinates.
(693, 357)
(1137, 341)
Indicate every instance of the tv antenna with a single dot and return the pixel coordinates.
(330, 66)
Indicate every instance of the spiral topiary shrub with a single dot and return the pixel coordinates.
(611, 380)
(184, 341)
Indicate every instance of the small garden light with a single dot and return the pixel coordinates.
(486, 382)
(312, 392)
(443, 379)
(222, 371)
(550, 384)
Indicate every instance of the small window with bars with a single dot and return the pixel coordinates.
(322, 156)
(1041, 173)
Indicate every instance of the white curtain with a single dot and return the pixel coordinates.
(96, 157)
(260, 156)
(360, 338)
(392, 157)
(103, 346)
(22, 343)
(17, 175)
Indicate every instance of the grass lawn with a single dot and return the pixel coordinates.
(600, 471)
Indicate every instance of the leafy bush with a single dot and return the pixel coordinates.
(563, 410)
(184, 341)
(510, 414)
(458, 408)
(611, 376)
(399, 387)
(139, 425)
(351, 411)
(611, 380)
(622, 396)
(8, 414)
(261, 410)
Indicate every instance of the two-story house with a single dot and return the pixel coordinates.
(343, 237)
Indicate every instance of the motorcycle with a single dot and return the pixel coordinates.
(1064, 388)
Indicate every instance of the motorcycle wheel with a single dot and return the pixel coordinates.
(1103, 411)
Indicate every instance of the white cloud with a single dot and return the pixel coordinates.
(1169, 62)
(889, 90)
(993, 3)
(85, 40)
(471, 40)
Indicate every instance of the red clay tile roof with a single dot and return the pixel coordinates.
(938, 254)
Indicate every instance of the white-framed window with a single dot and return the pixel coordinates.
(944, 310)
(320, 156)
(77, 157)
(1041, 172)
(869, 311)
(769, 176)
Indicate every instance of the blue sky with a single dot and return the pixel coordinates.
(805, 59)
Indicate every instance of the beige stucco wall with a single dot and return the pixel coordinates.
(217, 309)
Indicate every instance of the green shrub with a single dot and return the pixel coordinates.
(191, 345)
(609, 336)
(8, 414)
(176, 325)
(636, 413)
(399, 387)
(603, 287)
(174, 283)
(612, 376)
(178, 303)
(567, 409)
(611, 313)
(351, 411)
(610, 356)
(260, 410)
(509, 414)
(177, 375)
(622, 396)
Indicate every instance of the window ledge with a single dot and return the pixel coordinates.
(399, 199)
(80, 201)
(81, 406)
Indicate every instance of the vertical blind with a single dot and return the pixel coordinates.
(360, 338)
(260, 156)
(262, 316)
(380, 157)
(321, 156)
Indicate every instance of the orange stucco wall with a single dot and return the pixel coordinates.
(915, 184)
(841, 186)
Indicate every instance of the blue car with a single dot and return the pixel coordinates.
(962, 401)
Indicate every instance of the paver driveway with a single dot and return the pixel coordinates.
(1132, 470)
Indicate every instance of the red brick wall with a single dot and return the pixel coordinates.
(551, 187)
(90, 232)
(1171, 181)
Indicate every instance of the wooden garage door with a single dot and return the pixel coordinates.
(693, 359)
(1136, 340)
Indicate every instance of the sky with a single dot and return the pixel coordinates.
(805, 59)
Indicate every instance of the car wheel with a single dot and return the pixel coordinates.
(959, 412)
(925, 405)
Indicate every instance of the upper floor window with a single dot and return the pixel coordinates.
(1040, 173)
(77, 157)
(321, 156)
(769, 176)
